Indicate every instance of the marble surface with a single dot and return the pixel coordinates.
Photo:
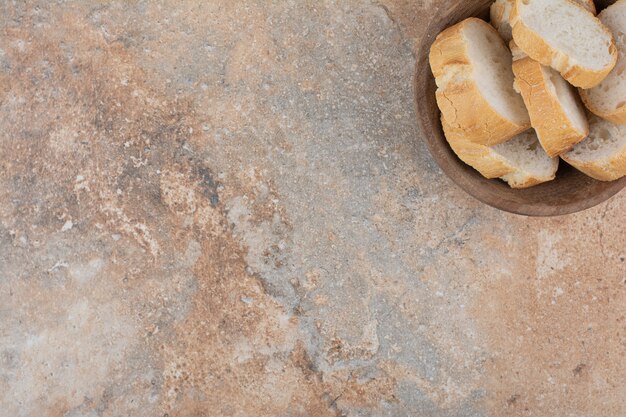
(223, 208)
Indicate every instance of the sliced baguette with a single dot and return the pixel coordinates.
(563, 35)
(516, 52)
(520, 161)
(603, 154)
(608, 99)
(589, 5)
(501, 12)
(472, 68)
(556, 113)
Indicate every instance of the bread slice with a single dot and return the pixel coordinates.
(516, 52)
(556, 113)
(520, 161)
(472, 68)
(589, 5)
(563, 35)
(603, 154)
(501, 12)
(608, 99)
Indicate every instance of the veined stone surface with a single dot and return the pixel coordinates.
(223, 208)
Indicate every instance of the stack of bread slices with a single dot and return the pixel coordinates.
(510, 92)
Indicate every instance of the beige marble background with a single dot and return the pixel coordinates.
(223, 208)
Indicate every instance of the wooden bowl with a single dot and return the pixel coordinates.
(570, 192)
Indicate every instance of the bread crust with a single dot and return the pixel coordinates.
(589, 5)
(500, 20)
(489, 164)
(608, 169)
(479, 157)
(519, 180)
(467, 113)
(557, 134)
(538, 49)
(617, 116)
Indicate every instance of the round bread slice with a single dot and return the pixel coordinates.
(501, 12)
(472, 68)
(608, 99)
(603, 154)
(556, 113)
(520, 161)
(563, 35)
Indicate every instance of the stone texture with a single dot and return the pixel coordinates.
(224, 209)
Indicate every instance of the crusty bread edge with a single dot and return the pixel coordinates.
(527, 180)
(491, 165)
(591, 7)
(497, 10)
(497, 18)
(461, 102)
(609, 169)
(555, 130)
(537, 48)
(479, 157)
(617, 116)
(516, 51)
